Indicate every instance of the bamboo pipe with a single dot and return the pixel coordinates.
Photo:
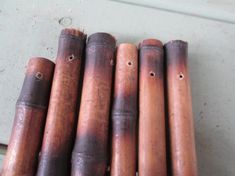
(30, 115)
(89, 156)
(152, 142)
(124, 112)
(183, 153)
(61, 119)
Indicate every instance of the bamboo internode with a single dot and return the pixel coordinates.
(152, 138)
(183, 153)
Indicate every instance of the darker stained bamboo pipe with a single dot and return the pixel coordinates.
(31, 109)
(124, 112)
(61, 119)
(89, 156)
(182, 142)
(152, 142)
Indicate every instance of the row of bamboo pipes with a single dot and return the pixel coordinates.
(67, 112)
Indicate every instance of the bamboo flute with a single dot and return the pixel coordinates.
(182, 142)
(89, 156)
(30, 115)
(124, 112)
(61, 119)
(152, 142)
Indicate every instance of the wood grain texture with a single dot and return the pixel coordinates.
(31, 108)
(152, 137)
(62, 112)
(124, 112)
(89, 156)
(183, 152)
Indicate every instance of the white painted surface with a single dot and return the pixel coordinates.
(31, 28)
(1, 160)
(201, 8)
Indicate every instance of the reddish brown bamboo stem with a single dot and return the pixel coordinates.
(31, 108)
(124, 112)
(183, 153)
(152, 142)
(61, 119)
(90, 150)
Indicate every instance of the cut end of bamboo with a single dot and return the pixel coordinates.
(151, 42)
(41, 67)
(73, 32)
(127, 47)
(102, 38)
(176, 42)
(127, 51)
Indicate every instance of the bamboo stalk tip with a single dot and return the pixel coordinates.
(40, 66)
(102, 38)
(128, 46)
(74, 32)
(175, 42)
(151, 42)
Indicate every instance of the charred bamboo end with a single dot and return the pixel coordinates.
(71, 45)
(151, 42)
(101, 38)
(73, 32)
(176, 45)
(176, 52)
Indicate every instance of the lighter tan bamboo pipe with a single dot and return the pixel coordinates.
(124, 112)
(183, 153)
(152, 142)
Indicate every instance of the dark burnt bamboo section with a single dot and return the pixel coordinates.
(61, 119)
(152, 142)
(31, 108)
(89, 156)
(183, 152)
(124, 112)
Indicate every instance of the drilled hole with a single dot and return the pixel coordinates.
(152, 74)
(129, 63)
(181, 76)
(39, 75)
(71, 58)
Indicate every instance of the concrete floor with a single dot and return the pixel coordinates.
(31, 28)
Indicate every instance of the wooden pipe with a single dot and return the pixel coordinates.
(124, 112)
(62, 112)
(89, 156)
(183, 153)
(31, 109)
(152, 138)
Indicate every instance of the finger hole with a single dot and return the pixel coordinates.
(71, 58)
(129, 63)
(181, 76)
(152, 74)
(39, 75)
